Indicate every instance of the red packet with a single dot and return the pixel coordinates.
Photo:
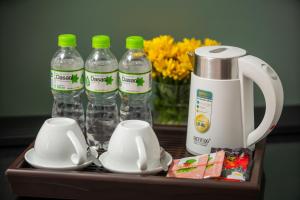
(190, 167)
(237, 164)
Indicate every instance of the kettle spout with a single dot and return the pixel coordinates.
(192, 58)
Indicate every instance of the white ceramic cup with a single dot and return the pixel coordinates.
(133, 146)
(61, 141)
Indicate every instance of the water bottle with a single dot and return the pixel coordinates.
(101, 83)
(67, 80)
(135, 82)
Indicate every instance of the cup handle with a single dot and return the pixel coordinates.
(142, 162)
(79, 157)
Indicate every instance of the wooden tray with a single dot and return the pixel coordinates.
(96, 183)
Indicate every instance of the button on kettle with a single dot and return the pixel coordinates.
(269, 71)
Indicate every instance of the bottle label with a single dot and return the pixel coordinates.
(101, 81)
(67, 80)
(135, 83)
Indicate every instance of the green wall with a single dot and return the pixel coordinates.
(267, 29)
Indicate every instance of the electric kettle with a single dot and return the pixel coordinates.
(221, 107)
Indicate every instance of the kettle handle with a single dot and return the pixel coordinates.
(253, 68)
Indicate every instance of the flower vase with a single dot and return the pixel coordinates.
(170, 101)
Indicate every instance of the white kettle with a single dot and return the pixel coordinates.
(221, 108)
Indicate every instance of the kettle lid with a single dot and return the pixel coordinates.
(221, 52)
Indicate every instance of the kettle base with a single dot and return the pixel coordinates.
(193, 152)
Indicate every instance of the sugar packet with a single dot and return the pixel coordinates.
(214, 165)
(189, 167)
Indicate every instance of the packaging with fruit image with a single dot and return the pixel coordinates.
(237, 164)
(190, 167)
(214, 164)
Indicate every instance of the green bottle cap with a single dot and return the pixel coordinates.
(101, 41)
(134, 42)
(67, 40)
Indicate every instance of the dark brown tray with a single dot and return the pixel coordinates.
(100, 184)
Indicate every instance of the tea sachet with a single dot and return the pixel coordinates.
(189, 167)
(237, 164)
(214, 164)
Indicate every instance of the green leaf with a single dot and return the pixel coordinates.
(140, 81)
(185, 170)
(74, 78)
(82, 79)
(209, 165)
(88, 83)
(109, 80)
(190, 161)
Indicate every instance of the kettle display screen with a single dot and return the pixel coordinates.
(203, 112)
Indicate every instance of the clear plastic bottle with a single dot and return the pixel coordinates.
(67, 80)
(101, 83)
(135, 82)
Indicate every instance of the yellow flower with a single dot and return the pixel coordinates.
(210, 42)
(169, 58)
(153, 74)
(187, 45)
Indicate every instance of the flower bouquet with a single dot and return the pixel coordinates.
(171, 76)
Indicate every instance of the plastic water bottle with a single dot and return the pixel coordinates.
(67, 80)
(135, 82)
(101, 83)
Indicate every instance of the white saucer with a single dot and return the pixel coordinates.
(166, 160)
(43, 164)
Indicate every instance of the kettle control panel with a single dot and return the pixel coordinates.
(203, 108)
